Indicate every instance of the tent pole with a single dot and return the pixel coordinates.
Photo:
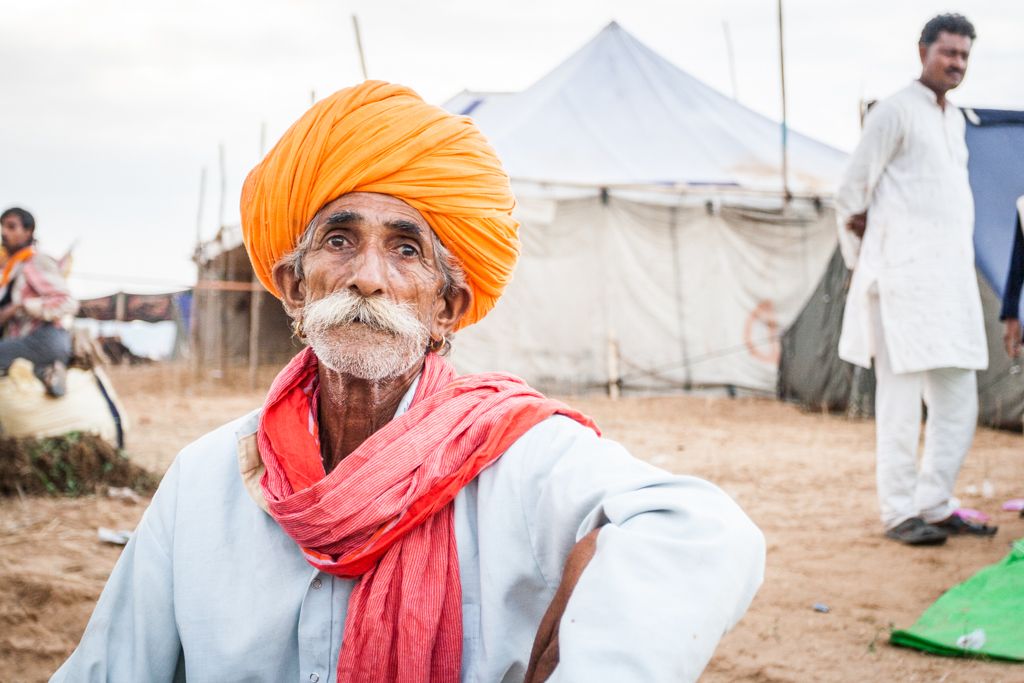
(199, 210)
(255, 306)
(225, 272)
(359, 46)
(222, 310)
(223, 185)
(677, 277)
(614, 378)
(193, 332)
(785, 132)
(732, 60)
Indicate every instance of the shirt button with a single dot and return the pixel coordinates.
(316, 586)
(314, 677)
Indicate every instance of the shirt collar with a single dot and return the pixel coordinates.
(929, 95)
(250, 464)
(406, 401)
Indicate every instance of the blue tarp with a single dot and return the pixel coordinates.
(995, 139)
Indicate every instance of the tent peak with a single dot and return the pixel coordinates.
(615, 112)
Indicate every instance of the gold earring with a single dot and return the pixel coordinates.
(297, 331)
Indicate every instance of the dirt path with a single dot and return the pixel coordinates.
(807, 480)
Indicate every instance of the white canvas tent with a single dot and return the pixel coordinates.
(655, 248)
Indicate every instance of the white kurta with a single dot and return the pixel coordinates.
(909, 173)
(210, 588)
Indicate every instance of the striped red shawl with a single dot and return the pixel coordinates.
(384, 516)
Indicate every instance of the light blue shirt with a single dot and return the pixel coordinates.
(211, 589)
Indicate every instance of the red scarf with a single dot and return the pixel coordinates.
(384, 514)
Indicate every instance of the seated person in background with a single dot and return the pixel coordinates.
(382, 518)
(36, 308)
(1010, 313)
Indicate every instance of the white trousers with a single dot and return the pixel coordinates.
(905, 489)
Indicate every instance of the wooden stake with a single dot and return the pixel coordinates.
(613, 367)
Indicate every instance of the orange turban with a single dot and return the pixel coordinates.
(379, 137)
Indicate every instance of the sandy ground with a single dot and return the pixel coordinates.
(806, 479)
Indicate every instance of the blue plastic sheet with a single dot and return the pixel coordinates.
(995, 139)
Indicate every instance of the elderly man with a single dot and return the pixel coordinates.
(906, 222)
(35, 304)
(382, 518)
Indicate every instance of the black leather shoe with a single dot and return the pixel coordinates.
(915, 531)
(956, 525)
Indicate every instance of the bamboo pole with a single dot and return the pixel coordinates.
(256, 301)
(732, 60)
(193, 332)
(677, 277)
(221, 295)
(785, 130)
(359, 46)
(255, 307)
(222, 164)
(614, 378)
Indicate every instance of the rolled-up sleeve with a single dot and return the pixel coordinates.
(677, 561)
(132, 635)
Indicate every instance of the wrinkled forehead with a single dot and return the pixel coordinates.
(372, 207)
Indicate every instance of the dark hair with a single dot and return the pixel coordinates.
(956, 24)
(27, 221)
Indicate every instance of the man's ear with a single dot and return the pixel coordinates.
(291, 286)
(449, 312)
(922, 50)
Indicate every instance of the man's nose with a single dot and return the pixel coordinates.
(369, 273)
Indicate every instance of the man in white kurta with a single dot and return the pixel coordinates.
(382, 518)
(906, 222)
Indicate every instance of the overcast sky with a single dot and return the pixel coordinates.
(109, 109)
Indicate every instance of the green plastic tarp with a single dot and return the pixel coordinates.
(981, 617)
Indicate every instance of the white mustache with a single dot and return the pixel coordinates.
(344, 308)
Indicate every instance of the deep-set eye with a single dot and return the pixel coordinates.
(408, 250)
(337, 241)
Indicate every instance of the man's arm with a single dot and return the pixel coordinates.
(1010, 311)
(544, 655)
(672, 565)
(8, 312)
(879, 142)
(53, 299)
(132, 635)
